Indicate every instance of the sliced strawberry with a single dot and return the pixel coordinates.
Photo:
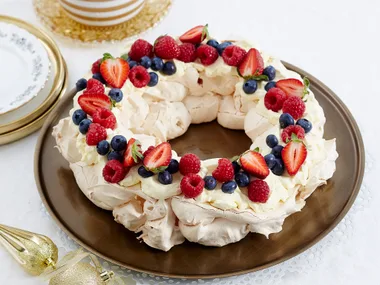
(91, 102)
(114, 70)
(293, 87)
(158, 158)
(195, 35)
(252, 64)
(254, 163)
(294, 155)
(133, 154)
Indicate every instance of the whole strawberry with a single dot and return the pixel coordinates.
(207, 54)
(139, 49)
(188, 52)
(166, 47)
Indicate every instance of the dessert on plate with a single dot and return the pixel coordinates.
(117, 140)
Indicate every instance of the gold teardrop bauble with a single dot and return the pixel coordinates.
(78, 274)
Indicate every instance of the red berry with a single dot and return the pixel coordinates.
(92, 102)
(252, 64)
(188, 52)
(289, 130)
(158, 158)
(114, 172)
(96, 133)
(139, 76)
(292, 87)
(233, 55)
(139, 49)
(189, 163)
(133, 153)
(195, 35)
(207, 54)
(105, 118)
(294, 106)
(294, 155)
(148, 151)
(225, 170)
(96, 66)
(192, 185)
(94, 87)
(166, 47)
(258, 191)
(274, 99)
(254, 163)
(114, 71)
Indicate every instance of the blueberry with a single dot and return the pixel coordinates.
(165, 177)
(81, 84)
(210, 182)
(99, 77)
(272, 141)
(143, 172)
(146, 62)
(213, 43)
(250, 86)
(270, 85)
(270, 159)
(229, 187)
(305, 124)
(157, 64)
(118, 143)
(114, 155)
(103, 147)
(169, 68)
(173, 166)
(270, 71)
(132, 64)
(116, 94)
(78, 116)
(153, 79)
(278, 169)
(221, 47)
(276, 151)
(236, 166)
(242, 179)
(286, 120)
(84, 125)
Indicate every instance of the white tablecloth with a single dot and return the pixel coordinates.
(337, 41)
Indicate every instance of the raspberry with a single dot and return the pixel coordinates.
(114, 172)
(274, 99)
(148, 151)
(105, 118)
(258, 191)
(189, 163)
(192, 185)
(139, 76)
(166, 47)
(225, 170)
(95, 134)
(139, 49)
(294, 106)
(233, 55)
(96, 66)
(207, 54)
(293, 129)
(188, 53)
(94, 87)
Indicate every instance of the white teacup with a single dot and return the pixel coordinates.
(102, 12)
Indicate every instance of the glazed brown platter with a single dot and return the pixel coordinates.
(95, 229)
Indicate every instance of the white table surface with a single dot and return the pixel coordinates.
(336, 41)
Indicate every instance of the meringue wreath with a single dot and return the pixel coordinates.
(116, 140)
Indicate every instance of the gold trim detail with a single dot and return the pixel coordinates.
(110, 9)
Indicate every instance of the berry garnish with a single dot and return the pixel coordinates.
(114, 172)
(118, 143)
(294, 155)
(116, 95)
(250, 86)
(146, 62)
(233, 55)
(236, 166)
(210, 182)
(188, 52)
(221, 47)
(96, 66)
(252, 64)
(270, 71)
(242, 179)
(139, 76)
(207, 54)
(274, 99)
(148, 151)
(224, 171)
(276, 151)
(103, 147)
(192, 185)
(99, 77)
(114, 70)
(189, 163)
(94, 86)
(270, 160)
(153, 79)
(213, 43)
(278, 168)
(166, 47)
(158, 158)
(92, 102)
(286, 120)
(78, 116)
(81, 84)
(254, 163)
(84, 125)
(271, 141)
(114, 155)
(157, 64)
(133, 153)
(195, 35)
(294, 106)
(229, 187)
(132, 64)
(105, 118)
(258, 191)
(270, 85)
(139, 49)
(144, 173)
(289, 131)
(294, 87)
(173, 166)
(165, 177)
(95, 134)
(305, 124)
(169, 68)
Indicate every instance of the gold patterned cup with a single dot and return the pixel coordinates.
(102, 13)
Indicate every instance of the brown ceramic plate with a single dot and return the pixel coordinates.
(96, 230)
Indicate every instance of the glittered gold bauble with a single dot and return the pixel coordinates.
(34, 252)
(78, 274)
